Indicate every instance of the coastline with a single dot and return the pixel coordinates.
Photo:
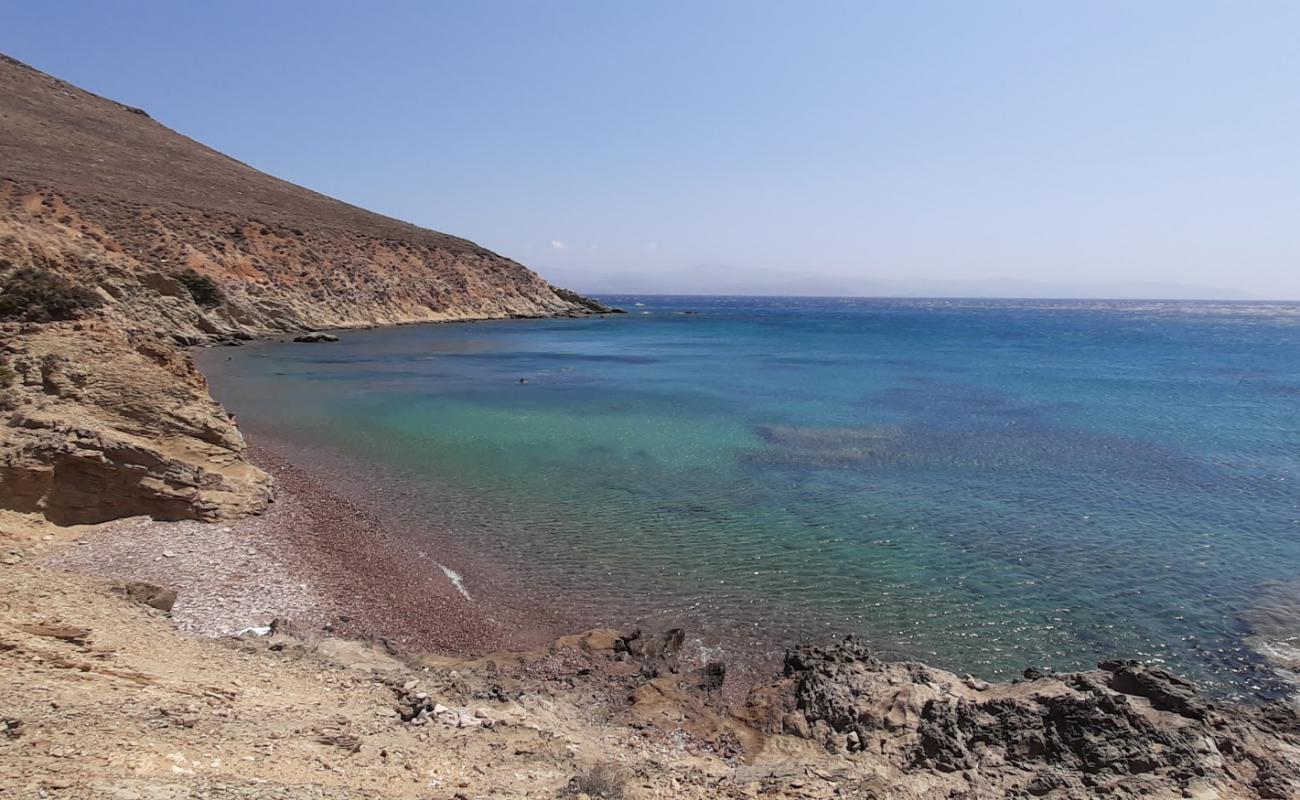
(368, 477)
(345, 663)
(491, 574)
(188, 616)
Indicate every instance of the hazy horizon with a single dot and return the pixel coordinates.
(892, 145)
(727, 280)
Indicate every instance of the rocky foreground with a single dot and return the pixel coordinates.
(103, 697)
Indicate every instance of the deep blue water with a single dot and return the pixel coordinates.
(983, 484)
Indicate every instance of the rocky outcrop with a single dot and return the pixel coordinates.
(185, 246)
(1121, 730)
(838, 722)
(314, 337)
(102, 423)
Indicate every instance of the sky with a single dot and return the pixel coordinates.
(1068, 142)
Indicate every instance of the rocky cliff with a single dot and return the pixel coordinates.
(183, 245)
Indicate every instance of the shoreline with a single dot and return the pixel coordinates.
(370, 484)
(320, 560)
(529, 605)
(314, 558)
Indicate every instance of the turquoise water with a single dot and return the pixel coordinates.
(983, 484)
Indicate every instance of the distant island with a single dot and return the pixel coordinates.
(724, 279)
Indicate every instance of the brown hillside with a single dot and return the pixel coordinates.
(96, 188)
(58, 136)
(100, 416)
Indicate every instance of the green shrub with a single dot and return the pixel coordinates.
(8, 399)
(203, 289)
(28, 294)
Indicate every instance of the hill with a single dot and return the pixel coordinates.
(121, 239)
(96, 188)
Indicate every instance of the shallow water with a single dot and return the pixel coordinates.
(982, 484)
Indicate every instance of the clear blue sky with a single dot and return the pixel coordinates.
(1061, 141)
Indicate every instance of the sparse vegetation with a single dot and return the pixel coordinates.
(28, 294)
(605, 780)
(203, 289)
(7, 377)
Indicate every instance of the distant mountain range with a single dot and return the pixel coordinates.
(723, 279)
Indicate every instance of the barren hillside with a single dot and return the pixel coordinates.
(92, 187)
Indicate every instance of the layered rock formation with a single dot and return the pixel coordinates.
(102, 422)
(184, 245)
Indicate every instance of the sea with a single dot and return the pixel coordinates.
(984, 485)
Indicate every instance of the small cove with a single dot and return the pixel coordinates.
(985, 485)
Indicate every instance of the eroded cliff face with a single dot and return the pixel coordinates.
(102, 423)
(271, 277)
(108, 418)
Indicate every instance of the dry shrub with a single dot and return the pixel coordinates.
(605, 780)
